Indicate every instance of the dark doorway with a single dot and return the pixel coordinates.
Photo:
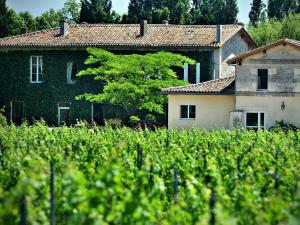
(97, 114)
(17, 112)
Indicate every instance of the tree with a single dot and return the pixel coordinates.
(279, 8)
(231, 11)
(96, 11)
(49, 19)
(3, 19)
(133, 82)
(272, 30)
(256, 11)
(71, 11)
(28, 21)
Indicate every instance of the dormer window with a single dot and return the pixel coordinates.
(262, 82)
(36, 69)
(71, 72)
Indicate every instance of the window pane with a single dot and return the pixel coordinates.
(34, 73)
(252, 119)
(262, 120)
(184, 112)
(192, 112)
(40, 59)
(192, 74)
(263, 79)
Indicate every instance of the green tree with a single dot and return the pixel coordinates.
(48, 20)
(279, 8)
(256, 11)
(231, 11)
(135, 8)
(28, 21)
(3, 19)
(96, 11)
(271, 30)
(71, 11)
(133, 82)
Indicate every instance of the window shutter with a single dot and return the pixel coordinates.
(272, 71)
(186, 72)
(198, 73)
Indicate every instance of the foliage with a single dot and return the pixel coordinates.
(282, 126)
(3, 120)
(269, 31)
(106, 176)
(256, 12)
(133, 82)
(71, 11)
(97, 11)
(279, 8)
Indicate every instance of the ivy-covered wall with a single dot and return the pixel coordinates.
(41, 100)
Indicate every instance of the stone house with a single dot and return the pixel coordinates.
(38, 70)
(264, 88)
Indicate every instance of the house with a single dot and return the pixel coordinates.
(264, 88)
(38, 70)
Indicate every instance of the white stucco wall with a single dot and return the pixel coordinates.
(271, 106)
(212, 111)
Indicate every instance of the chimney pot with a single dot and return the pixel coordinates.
(166, 22)
(143, 28)
(64, 28)
(219, 33)
(23, 30)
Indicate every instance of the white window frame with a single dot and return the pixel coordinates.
(188, 118)
(38, 81)
(58, 114)
(259, 127)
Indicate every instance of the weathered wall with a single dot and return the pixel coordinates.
(283, 63)
(235, 46)
(212, 111)
(271, 106)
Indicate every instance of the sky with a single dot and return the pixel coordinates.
(37, 7)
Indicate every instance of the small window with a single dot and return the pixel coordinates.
(255, 121)
(262, 83)
(72, 71)
(188, 112)
(36, 69)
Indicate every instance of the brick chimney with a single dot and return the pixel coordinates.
(23, 30)
(143, 28)
(219, 33)
(64, 28)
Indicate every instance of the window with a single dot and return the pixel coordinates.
(188, 112)
(255, 121)
(63, 114)
(71, 72)
(262, 83)
(36, 69)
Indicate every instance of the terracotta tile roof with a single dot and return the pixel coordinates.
(210, 87)
(294, 43)
(97, 35)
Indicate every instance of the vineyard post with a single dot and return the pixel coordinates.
(23, 211)
(52, 194)
(175, 185)
(212, 204)
(139, 160)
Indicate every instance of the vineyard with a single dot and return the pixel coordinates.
(119, 176)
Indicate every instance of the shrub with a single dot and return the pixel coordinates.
(3, 120)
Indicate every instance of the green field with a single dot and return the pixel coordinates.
(121, 176)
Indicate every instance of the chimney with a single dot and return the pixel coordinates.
(219, 33)
(64, 28)
(23, 30)
(166, 22)
(143, 28)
